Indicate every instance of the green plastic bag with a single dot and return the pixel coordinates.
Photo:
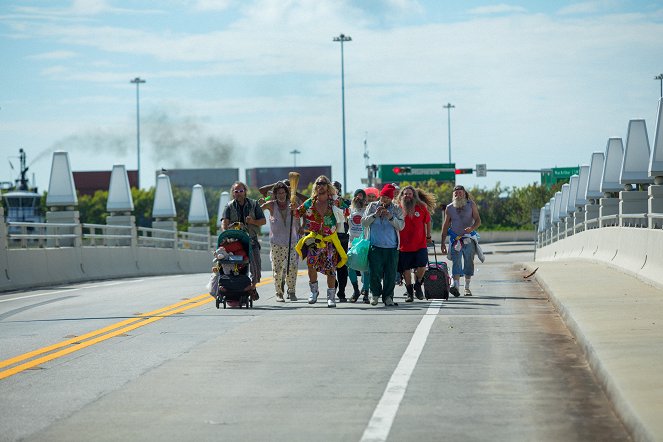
(358, 254)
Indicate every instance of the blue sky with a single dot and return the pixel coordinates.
(233, 83)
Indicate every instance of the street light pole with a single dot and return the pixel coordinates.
(294, 153)
(448, 107)
(343, 38)
(137, 81)
(659, 77)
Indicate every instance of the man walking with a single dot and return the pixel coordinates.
(244, 210)
(385, 220)
(414, 238)
(460, 223)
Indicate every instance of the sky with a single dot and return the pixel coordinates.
(242, 83)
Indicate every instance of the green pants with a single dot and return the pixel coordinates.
(382, 264)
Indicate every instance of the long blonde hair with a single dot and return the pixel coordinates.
(421, 197)
(331, 190)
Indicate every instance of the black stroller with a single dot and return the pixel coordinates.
(231, 265)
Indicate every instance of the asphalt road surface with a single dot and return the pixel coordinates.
(153, 359)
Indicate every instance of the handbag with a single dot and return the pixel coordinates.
(358, 254)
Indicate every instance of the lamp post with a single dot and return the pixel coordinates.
(343, 38)
(659, 77)
(448, 107)
(137, 81)
(294, 153)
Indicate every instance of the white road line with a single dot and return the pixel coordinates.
(383, 417)
(55, 292)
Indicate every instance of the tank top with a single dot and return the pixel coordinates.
(280, 220)
(460, 219)
(354, 221)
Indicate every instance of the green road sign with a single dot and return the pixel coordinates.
(395, 173)
(556, 174)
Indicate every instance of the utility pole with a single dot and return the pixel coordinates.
(294, 153)
(448, 107)
(659, 77)
(343, 38)
(137, 81)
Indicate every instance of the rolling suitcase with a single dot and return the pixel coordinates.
(436, 279)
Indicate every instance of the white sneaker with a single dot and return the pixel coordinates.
(374, 300)
(468, 292)
(279, 297)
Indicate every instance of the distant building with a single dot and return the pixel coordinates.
(261, 176)
(218, 179)
(90, 181)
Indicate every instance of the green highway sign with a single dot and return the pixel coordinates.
(556, 174)
(394, 173)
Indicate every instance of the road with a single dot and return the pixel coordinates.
(153, 359)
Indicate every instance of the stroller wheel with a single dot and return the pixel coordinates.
(249, 302)
(218, 301)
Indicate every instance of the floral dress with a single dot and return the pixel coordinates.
(321, 254)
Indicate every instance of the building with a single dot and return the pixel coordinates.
(87, 183)
(216, 179)
(262, 176)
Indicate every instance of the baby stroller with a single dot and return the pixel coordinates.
(231, 265)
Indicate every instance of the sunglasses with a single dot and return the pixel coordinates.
(238, 190)
(321, 183)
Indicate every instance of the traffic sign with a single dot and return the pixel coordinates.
(480, 170)
(394, 173)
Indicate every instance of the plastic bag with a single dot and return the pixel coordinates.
(358, 254)
(212, 285)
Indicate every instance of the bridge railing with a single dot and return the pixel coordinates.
(567, 227)
(39, 235)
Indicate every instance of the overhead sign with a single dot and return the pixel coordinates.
(557, 174)
(560, 173)
(417, 172)
(480, 170)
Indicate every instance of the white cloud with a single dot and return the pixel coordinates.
(212, 5)
(497, 9)
(53, 55)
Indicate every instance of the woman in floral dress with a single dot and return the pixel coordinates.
(321, 247)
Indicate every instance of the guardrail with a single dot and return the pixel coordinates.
(568, 226)
(39, 235)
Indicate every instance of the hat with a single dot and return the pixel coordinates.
(459, 187)
(388, 191)
(372, 191)
(358, 191)
(337, 185)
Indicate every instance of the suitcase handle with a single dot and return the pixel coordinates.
(434, 252)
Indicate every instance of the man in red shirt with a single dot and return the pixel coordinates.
(414, 238)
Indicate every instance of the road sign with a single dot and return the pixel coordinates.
(395, 173)
(556, 174)
(480, 170)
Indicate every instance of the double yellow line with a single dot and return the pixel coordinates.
(45, 354)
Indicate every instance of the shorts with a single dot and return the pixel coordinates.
(412, 260)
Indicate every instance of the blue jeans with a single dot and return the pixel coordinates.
(365, 278)
(463, 260)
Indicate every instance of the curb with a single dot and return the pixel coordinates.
(622, 408)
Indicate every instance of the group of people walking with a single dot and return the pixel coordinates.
(320, 229)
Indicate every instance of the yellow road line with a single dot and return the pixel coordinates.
(100, 335)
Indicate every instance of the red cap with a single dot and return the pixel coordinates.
(388, 190)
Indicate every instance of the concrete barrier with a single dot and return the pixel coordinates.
(637, 251)
(45, 267)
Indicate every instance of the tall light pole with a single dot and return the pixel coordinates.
(294, 153)
(343, 38)
(137, 81)
(659, 77)
(448, 107)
